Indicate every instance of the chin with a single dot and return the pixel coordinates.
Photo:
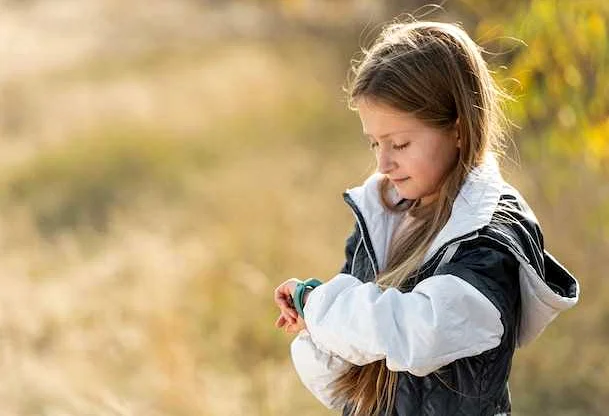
(407, 195)
(406, 191)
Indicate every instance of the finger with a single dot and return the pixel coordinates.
(293, 314)
(283, 293)
(292, 329)
(287, 315)
(291, 310)
(279, 298)
(285, 290)
(284, 301)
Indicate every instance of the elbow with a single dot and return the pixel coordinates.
(442, 351)
(420, 366)
(418, 363)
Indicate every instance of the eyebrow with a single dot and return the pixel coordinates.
(386, 135)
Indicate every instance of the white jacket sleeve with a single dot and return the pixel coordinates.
(317, 369)
(443, 319)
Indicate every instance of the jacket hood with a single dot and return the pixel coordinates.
(545, 290)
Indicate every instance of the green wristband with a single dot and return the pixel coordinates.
(300, 291)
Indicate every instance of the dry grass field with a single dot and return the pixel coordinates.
(161, 173)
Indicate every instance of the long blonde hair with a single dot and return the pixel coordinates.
(436, 72)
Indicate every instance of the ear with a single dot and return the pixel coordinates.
(457, 133)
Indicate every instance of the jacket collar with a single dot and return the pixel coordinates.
(472, 209)
(544, 293)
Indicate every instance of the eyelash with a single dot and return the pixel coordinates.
(400, 147)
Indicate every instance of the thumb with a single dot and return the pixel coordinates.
(281, 321)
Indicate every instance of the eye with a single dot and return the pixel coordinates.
(402, 146)
(373, 145)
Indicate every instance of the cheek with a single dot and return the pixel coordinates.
(422, 164)
(433, 165)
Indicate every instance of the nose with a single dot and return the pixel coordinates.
(384, 160)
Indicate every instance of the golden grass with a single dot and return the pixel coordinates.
(156, 203)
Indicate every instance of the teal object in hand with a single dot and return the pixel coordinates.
(300, 291)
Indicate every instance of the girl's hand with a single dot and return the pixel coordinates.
(290, 328)
(283, 299)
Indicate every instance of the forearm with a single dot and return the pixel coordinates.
(444, 318)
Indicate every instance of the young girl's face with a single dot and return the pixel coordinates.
(414, 156)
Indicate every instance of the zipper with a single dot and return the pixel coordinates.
(359, 244)
(472, 235)
(436, 260)
(368, 242)
(363, 231)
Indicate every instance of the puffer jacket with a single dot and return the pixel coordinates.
(488, 286)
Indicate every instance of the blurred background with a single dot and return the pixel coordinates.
(165, 164)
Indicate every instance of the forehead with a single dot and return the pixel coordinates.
(381, 120)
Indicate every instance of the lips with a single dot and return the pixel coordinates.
(400, 180)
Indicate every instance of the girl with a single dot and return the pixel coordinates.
(446, 271)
